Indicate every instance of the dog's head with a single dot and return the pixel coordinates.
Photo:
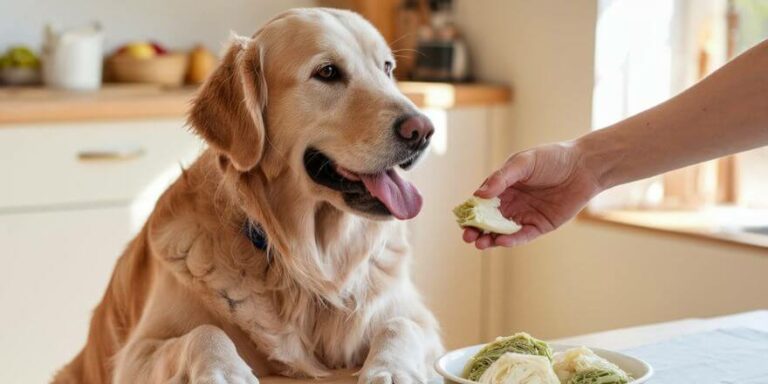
(312, 96)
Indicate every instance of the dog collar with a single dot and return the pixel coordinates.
(256, 235)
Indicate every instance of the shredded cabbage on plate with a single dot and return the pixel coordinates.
(521, 343)
(582, 366)
(516, 368)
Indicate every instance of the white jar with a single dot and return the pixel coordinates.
(73, 59)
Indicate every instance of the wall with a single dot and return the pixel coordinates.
(585, 277)
(176, 23)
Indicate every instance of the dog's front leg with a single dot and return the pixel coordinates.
(204, 355)
(401, 352)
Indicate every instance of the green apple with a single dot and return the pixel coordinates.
(19, 57)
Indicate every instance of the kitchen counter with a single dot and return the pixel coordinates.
(119, 102)
(730, 225)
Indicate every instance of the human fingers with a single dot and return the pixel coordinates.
(518, 167)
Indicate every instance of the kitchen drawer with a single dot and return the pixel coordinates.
(94, 163)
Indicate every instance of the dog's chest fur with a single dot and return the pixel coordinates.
(361, 263)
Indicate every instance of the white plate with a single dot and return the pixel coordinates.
(451, 365)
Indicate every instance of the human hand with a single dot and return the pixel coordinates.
(540, 189)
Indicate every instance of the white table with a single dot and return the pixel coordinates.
(632, 337)
(720, 350)
(618, 339)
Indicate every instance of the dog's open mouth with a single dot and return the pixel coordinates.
(380, 193)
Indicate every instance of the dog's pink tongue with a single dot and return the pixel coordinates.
(400, 196)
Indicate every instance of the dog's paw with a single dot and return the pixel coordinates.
(392, 374)
(223, 376)
(213, 359)
(234, 371)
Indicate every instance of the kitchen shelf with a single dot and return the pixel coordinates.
(121, 102)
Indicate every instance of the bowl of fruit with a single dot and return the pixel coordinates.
(19, 66)
(149, 63)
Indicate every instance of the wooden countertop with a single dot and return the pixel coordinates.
(728, 225)
(337, 377)
(29, 105)
(346, 376)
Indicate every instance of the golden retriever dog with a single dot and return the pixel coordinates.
(276, 252)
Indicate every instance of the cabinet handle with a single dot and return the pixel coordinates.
(110, 155)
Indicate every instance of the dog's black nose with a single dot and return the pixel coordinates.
(415, 130)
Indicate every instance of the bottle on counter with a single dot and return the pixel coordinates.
(442, 51)
(411, 16)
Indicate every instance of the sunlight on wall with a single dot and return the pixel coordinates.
(439, 119)
(144, 203)
(142, 206)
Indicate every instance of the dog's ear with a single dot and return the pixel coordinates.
(228, 110)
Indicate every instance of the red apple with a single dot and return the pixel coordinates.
(159, 49)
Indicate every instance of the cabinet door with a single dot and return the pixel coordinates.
(84, 164)
(57, 265)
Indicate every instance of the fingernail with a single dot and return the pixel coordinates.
(484, 186)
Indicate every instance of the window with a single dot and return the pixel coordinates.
(648, 51)
(750, 26)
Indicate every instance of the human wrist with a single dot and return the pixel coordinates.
(600, 157)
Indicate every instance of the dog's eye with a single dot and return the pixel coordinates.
(388, 66)
(328, 73)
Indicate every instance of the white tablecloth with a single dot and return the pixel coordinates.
(723, 350)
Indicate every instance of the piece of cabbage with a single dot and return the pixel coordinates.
(516, 368)
(597, 376)
(521, 343)
(582, 366)
(484, 214)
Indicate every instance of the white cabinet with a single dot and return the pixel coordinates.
(58, 266)
(71, 198)
(448, 272)
(87, 163)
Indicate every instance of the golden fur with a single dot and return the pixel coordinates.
(192, 300)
